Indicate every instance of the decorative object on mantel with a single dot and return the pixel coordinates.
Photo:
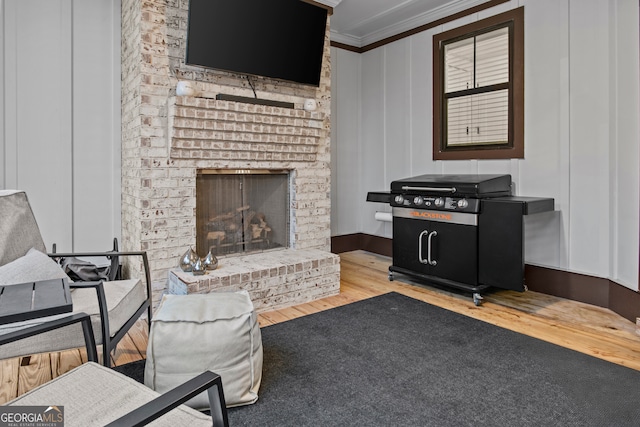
(185, 88)
(310, 104)
(210, 262)
(188, 260)
(198, 268)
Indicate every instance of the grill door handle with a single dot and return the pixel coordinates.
(438, 189)
(431, 236)
(422, 260)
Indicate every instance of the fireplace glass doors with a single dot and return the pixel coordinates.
(241, 211)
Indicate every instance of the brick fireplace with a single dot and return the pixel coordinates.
(167, 139)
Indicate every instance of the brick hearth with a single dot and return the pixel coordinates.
(274, 279)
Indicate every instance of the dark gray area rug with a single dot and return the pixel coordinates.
(395, 361)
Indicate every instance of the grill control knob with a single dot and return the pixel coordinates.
(399, 199)
(417, 200)
(439, 202)
(462, 203)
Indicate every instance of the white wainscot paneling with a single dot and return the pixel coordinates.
(455, 167)
(496, 167)
(96, 124)
(346, 140)
(397, 113)
(625, 150)
(421, 113)
(544, 172)
(374, 170)
(541, 243)
(589, 135)
(61, 115)
(37, 79)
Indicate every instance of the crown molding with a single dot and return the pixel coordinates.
(330, 3)
(419, 20)
(345, 39)
(446, 13)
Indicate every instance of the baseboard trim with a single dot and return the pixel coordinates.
(577, 287)
(361, 241)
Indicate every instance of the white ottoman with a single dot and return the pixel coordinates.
(216, 331)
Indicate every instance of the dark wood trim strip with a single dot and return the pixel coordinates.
(513, 18)
(564, 284)
(360, 241)
(624, 301)
(422, 28)
(577, 287)
(377, 244)
(346, 243)
(322, 5)
(346, 47)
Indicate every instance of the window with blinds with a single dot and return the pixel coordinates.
(477, 63)
(476, 88)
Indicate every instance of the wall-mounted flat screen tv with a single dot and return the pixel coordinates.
(282, 39)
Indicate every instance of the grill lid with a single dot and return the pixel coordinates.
(475, 186)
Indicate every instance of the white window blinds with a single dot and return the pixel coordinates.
(480, 65)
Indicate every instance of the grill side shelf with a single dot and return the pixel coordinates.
(379, 196)
(530, 205)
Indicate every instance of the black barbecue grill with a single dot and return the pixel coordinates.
(461, 231)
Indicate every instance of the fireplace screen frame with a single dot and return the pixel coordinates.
(237, 246)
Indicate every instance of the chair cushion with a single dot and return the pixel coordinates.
(18, 226)
(32, 267)
(93, 395)
(219, 332)
(124, 297)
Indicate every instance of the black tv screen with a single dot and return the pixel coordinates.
(282, 39)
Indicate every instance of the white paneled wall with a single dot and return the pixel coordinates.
(581, 131)
(60, 120)
(38, 112)
(346, 164)
(96, 123)
(589, 145)
(623, 136)
(545, 169)
(421, 90)
(372, 142)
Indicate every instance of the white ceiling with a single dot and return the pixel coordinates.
(362, 22)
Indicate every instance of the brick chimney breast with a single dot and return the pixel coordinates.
(167, 138)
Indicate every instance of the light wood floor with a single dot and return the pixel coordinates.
(582, 327)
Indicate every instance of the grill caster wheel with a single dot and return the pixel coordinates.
(477, 299)
(390, 276)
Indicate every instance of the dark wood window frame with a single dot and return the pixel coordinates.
(515, 147)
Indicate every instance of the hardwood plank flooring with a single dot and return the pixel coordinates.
(581, 327)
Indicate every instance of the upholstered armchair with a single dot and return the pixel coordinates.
(114, 305)
(93, 395)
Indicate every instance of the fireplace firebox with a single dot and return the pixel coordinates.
(241, 211)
